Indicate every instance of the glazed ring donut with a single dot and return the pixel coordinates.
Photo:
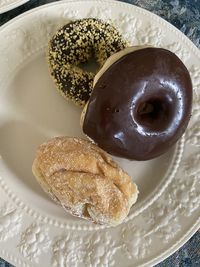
(141, 103)
(76, 43)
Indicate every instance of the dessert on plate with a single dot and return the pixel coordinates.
(140, 104)
(75, 43)
(136, 107)
(84, 180)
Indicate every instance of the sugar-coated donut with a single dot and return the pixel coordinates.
(76, 43)
(141, 103)
(84, 180)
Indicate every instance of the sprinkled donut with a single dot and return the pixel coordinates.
(76, 43)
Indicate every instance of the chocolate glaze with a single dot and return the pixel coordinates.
(141, 105)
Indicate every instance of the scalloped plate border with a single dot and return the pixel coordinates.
(184, 237)
(84, 226)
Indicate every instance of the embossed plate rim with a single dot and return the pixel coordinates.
(195, 226)
(169, 175)
(171, 172)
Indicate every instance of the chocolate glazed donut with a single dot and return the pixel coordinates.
(141, 105)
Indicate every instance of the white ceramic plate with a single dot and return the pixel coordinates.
(33, 230)
(6, 5)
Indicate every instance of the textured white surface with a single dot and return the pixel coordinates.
(33, 230)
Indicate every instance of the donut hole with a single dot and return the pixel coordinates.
(154, 114)
(91, 65)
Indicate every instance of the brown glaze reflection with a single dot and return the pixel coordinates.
(141, 104)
